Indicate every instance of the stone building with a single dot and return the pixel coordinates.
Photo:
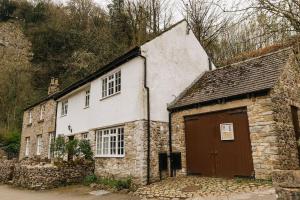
(38, 127)
(240, 120)
(122, 107)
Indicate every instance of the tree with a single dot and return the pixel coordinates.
(285, 9)
(6, 9)
(206, 19)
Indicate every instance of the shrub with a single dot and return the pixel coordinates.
(118, 184)
(10, 143)
(58, 147)
(90, 179)
(85, 149)
(72, 148)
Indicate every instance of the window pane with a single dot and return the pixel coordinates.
(118, 81)
(104, 87)
(105, 145)
(120, 141)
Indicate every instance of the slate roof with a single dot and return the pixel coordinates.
(249, 76)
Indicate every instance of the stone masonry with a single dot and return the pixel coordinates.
(270, 123)
(134, 163)
(38, 127)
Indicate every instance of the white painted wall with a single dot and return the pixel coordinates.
(175, 59)
(123, 107)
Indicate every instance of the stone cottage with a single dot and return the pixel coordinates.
(38, 127)
(122, 108)
(240, 120)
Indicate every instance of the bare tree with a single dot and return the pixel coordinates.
(286, 9)
(206, 19)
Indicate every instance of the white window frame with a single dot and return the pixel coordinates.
(30, 117)
(110, 142)
(111, 84)
(85, 136)
(51, 140)
(39, 144)
(27, 146)
(42, 111)
(64, 108)
(87, 98)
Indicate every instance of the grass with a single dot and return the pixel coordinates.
(118, 184)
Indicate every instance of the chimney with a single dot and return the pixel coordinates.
(54, 86)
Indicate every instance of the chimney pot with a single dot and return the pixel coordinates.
(54, 86)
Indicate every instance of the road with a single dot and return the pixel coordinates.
(65, 193)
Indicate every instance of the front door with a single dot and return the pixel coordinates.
(218, 144)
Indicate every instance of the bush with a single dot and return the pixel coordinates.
(118, 184)
(10, 143)
(86, 149)
(90, 179)
(72, 149)
(58, 147)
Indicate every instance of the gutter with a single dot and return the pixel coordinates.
(148, 119)
(170, 143)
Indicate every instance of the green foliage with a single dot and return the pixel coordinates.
(10, 143)
(90, 179)
(7, 8)
(85, 149)
(58, 147)
(118, 184)
(72, 148)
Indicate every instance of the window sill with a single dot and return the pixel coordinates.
(103, 98)
(109, 156)
(86, 107)
(63, 115)
(41, 120)
(30, 124)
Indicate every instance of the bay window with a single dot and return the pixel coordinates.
(110, 142)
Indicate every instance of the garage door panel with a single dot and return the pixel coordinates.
(209, 154)
(199, 159)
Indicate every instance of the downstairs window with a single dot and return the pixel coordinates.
(110, 142)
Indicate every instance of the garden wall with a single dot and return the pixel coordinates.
(43, 176)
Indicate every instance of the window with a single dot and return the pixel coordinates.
(84, 136)
(27, 146)
(111, 84)
(64, 108)
(42, 112)
(110, 142)
(30, 117)
(51, 141)
(39, 145)
(87, 99)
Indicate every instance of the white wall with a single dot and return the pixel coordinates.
(124, 107)
(175, 60)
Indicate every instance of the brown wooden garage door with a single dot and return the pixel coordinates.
(210, 155)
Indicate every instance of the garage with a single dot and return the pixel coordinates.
(218, 144)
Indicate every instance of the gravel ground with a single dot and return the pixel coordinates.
(204, 188)
(66, 193)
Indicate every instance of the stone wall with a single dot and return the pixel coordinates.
(284, 95)
(287, 184)
(6, 170)
(261, 127)
(49, 176)
(38, 127)
(34, 175)
(134, 163)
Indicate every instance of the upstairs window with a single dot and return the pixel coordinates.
(64, 108)
(30, 117)
(110, 142)
(111, 84)
(42, 112)
(87, 99)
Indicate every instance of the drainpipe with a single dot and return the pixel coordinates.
(148, 119)
(170, 143)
